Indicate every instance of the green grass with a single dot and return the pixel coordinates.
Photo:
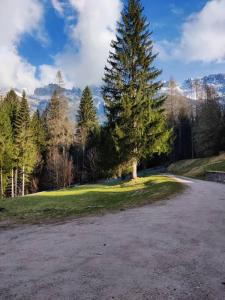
(197, 168)
(87, 200)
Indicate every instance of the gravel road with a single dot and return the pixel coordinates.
(173, 249)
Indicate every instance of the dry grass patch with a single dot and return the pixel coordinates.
(198, 167)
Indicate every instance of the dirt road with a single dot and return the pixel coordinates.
(174, 249)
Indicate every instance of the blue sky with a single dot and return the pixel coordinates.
(74, 36)
(168, 18)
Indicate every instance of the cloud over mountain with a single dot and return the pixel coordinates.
(16, 19)
(89, 24)
(202, 36)
(84, 58)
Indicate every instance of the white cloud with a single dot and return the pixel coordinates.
(16, 71)
(47, 74)
(203, 36)
(90, 25)
(58, 6)
(83, 61)
(163, 49)
(16, 19)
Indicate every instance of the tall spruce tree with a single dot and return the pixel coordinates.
(6, 148)
(23, 116)
(87, 114)
(87, 123)
(39, 131)
(12, 106)
(133, 106)
(222, 131)
(25, 147)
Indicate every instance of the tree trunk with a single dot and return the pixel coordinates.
(192, 133)
(16, 182)
(134, 170)
(2, 191)
(64, 166)
(119, 172)
(180, 142)
(192, 144)
(12, 187)
(83, 156)
(23, 182)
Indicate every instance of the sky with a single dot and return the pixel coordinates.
(39, 37)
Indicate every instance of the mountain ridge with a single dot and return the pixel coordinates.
(41, 96)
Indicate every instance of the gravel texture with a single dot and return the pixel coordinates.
(173, 249)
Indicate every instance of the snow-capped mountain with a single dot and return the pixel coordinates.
(188, 87)
(42, 96)
(4, 91)
(215, 80)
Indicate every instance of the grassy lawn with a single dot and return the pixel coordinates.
(87, 200)
(197, 168)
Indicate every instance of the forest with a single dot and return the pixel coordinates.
(143, 128)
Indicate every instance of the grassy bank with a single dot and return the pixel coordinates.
(197, 168)
(87, 200)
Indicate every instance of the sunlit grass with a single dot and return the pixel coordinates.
(88, 199)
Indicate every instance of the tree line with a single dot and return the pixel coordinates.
(18, 144)
(48, 151)
(199, 125)
(44, 151)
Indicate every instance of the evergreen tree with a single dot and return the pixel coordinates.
(25, 147)
(222, 131)
(182, 141)
(87, 115)
(109, 158)
(12, 105)
(133, 106)
(88, 133)
(23, 117)
(6, 148)
(27, 155)
(39, 131)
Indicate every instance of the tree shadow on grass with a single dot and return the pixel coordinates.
(90, 201)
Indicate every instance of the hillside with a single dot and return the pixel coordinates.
(198, 167)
